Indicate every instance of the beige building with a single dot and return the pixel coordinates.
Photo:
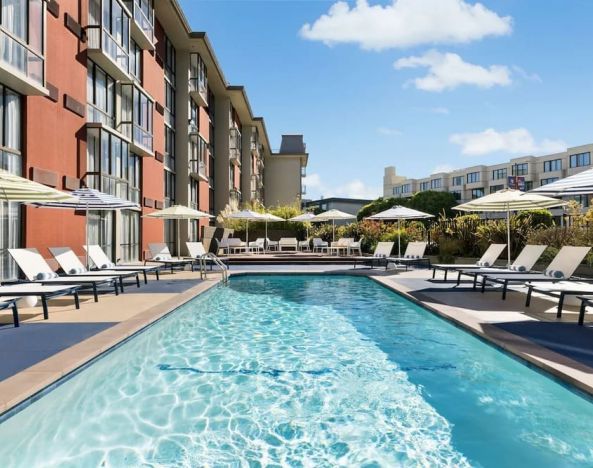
(285, 170)
(475, 181)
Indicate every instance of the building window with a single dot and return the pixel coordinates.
(473, 177)
(194, 116)
(424, 186)
(528, 185)
(580, 160)
(170, 60)
(170, 226)
(21, 35)
(456, 194)
(406, 188)
(130, 236)
(198, 154)
(198, 76)
(100, 96)
(136, 116)
(10, 160)
(499, 174)
(457, 181)
(496, 188)
(549, 180)
(109, 31)
(436, 183)
(582, 200)
(397, 190)
(136, 61)
(520, 169)
(553, 165)
(477, 193)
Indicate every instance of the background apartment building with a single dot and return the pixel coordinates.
(476, 181)
(121, 96)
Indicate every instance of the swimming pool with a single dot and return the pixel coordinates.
(303, 371)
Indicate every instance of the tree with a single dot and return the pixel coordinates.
(434, 203)
(378, 205)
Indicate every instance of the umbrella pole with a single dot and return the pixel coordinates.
(266, 239)
(178, 242)
(333, 230)
(247, 237)
(508, 236)
(86, 236)
(399, 238)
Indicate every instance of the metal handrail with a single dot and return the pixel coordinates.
(218, 262)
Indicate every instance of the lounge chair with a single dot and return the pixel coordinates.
(159, 253)
(586, 301)
(290, 243)
(36, 269)
(320, 245)
(559, 290)
(8, 293)
(382, 251)
(413, 255)
(102, 262)
(341, 245)
(231, 245)
(522, 264)
(487, 260)
(561, 268)
(355, 247)
(196, 251)
(72, 266)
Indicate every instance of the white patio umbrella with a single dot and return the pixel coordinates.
(87, 199)
(270, 218)
(399, 212)
(303, 218)
(178, 212)
(332, 215)
(578, 184)
(247, 215)
(508, 200)
(14, 188)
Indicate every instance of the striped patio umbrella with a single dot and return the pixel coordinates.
(178, 212)
(578, 184)
(87, 199)
(14, 188)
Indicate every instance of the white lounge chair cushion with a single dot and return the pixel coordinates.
(45, 276)
(554, 274)
(483, 264)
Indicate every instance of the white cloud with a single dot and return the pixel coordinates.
(352, 189)
(526, 75)
(439, 110)
(442, 168)
(448, 71)
(516, 141)
(389, 131)
(406, 23)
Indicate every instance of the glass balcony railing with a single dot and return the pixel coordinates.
(143, 22)
(199, 168)
(96, 115)
(198, 88)
(17, 55)
(99, 39)
(143, 138)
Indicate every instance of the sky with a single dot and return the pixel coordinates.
(423, 85)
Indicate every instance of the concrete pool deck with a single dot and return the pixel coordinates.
(41, 352)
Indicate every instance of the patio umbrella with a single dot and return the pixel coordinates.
(508, 200)
(178, 212)
(578, 184)
(399, 212)
(269, 217)
(88, 199)
(303, 218)
(332, 215)
(247, 215)
(14, 188)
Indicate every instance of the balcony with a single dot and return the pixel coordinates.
(104, 50)
(235, 195)
(136, 123)
(303, 171)
(198, 170)
(142, 27)
(21, 68)
(255, 149)
(235, 146)
(198, 90)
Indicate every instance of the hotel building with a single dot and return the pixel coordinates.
(121, 96)
(476, 181)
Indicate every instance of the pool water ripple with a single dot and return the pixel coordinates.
(302, 371)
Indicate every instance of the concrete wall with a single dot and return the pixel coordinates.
(282, 179)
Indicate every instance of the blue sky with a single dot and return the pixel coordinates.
(419, 84)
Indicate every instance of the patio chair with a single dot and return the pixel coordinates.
(382, 251)
(320, 245)
(290, 243)
(36, 270)
(341, 245)
(355, 247)
(586, 301)
(11, 292)
(159, 253)
(231, 245)
(72, 266)
(305, 245)
(558, 290)
(487, 260)
(272, 245)
(413, 255)
(524, 262)
(259, 245)
(196, 251)
(561, 268)
(102, 262)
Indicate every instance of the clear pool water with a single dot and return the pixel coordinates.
(303, 371)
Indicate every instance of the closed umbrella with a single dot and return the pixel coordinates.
(247, 215)
(399, 212)
(332, 215)
(269, 217)
(178, 212)
(578, 184)
(508, 200)
(303, 218)
(88, 199)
